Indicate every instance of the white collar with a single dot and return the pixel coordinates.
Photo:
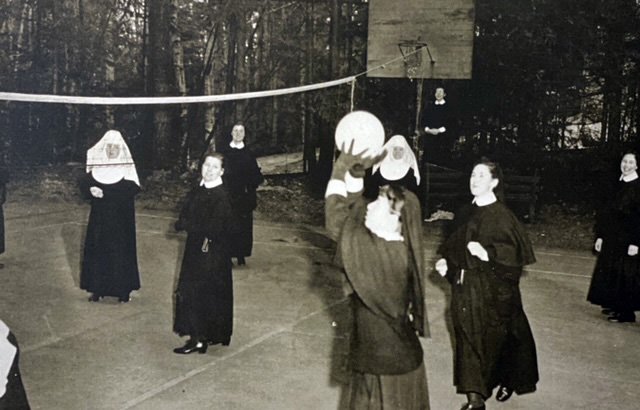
(237, 145)
(630, 177)
(211, 184)
(485, 200)
(440, 102)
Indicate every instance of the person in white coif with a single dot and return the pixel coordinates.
(110, 263)
(12, 393)
(399, 167)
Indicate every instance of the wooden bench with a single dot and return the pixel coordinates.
(447, 189)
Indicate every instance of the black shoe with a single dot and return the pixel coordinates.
(94, 297)
(241, 261)
(503, 393)
(124, 299)
(622, 318)
(190, 347)
(469, 406)
(608, 311)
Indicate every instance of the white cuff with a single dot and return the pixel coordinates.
(353, 184)
(336, 187)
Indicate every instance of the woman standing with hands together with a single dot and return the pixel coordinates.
(110, 263)
(615, 284)
(483, 261)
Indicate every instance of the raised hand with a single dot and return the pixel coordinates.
(356, 164)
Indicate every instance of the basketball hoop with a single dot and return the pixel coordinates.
(411, 51)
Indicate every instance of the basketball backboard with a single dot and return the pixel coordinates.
(443, 30)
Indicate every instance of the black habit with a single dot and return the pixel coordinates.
(376, 180)
(110, 263)
(436, 147)
(204, 295)
(241, 177)
(388, 283)
(494, 343)
(616, 279)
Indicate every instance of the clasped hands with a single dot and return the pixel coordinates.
(434, 131)
(96, 192)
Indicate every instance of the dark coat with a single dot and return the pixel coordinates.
(241, 177)
(437, 147)
(494, 343)
(388, 284)
(616, 277)
(110, 263)
(204, 295)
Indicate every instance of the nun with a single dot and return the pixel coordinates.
(399, 168)
(110, 263)
(242, 177)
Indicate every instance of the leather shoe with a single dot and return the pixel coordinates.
(608, 311)
(190, 347)
(503, 393)
(621, 318)
(94, 297)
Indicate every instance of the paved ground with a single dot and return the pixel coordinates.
(288, 349)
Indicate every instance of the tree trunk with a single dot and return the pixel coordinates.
(179, 79)
(162, 83)
(309, 151)
(327, 145)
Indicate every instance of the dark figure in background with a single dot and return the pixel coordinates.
(12, 393)
(4, 179)
(615, 284)
(242, 177)
(110, 264)
(436, 122)
(483, 260)
(380, 248)
(204, 296)
(399, 167)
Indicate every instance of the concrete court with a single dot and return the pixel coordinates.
(288, 350)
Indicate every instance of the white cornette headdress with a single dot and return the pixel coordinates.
(394, 169)
(111, 170)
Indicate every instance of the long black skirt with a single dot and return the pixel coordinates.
(204, 296)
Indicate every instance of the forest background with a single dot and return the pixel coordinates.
(555, 85)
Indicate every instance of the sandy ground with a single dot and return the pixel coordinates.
(291, 321)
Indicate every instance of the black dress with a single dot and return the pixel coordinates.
(204, 296)
(616, 278)
(436, 147)
(110, 263)
(15, 397)
(241, 177)
(494, 343)
(388, 283)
